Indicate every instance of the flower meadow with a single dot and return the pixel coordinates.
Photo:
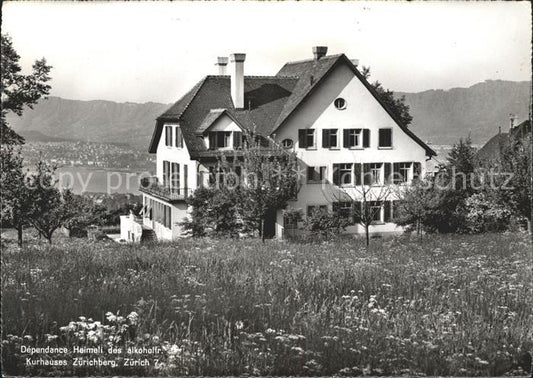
(458, 305)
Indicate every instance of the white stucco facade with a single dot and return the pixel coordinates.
(362, 111)
(175, 154)
(339, 104)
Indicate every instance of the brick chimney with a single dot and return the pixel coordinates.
(237, 79)
(222, 62)
(319, 51)
(511, 121)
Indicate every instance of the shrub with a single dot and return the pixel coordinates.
(214, 213)
(486, 214)
(325, 225)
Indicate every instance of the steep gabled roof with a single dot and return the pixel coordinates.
(211, 118)
(264, 98)
(312, 73)
(491, 151)
(269, 101)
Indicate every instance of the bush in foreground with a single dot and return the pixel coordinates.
(452, 305)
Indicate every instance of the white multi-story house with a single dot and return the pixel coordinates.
(323, 108)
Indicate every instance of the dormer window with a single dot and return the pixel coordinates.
(237, 139)
(168, 136)
(219, 139)
(179, 137)
(225, 139)
(340, 103)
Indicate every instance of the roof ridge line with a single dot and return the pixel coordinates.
(255, 76)
(312, 59)
(270, 77)
(280, 121)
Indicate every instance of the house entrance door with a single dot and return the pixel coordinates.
(270, 225)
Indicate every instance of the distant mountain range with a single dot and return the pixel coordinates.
(95, 121)
(442, 117)
(439, 116)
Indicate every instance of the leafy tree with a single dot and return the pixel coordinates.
(444, 199)
(416, 205)
(270, 180)
(112, 210)
(84, 212)
(214, 213)
(397, 105)
(19, 90)
(49, 209)
(247, 188)
(516, 160)
(461, 165)
(15, 201)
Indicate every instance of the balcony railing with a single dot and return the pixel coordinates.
(151, 185)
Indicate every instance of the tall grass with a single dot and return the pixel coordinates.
(445, 305)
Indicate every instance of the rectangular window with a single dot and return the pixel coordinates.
(316, 174)
(375, 173)
(223, 139)
(375, 210)
(306, 138)
(175, 178)
(401, 172)
(385, 138)
(343, 209)
(404, 170)
(417, 170)
(179, 137)
(312, 208)
(185, 178)
(353, 138)
(237, 139)
(219, 139)
(212, 141)
(166, 173)
(168, 136)
(342, 174)
(168, 218)
(329, 138)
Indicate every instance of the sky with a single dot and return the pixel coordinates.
(156, 51)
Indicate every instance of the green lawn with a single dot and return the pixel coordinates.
(443, 305)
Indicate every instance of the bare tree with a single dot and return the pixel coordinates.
(363, 197)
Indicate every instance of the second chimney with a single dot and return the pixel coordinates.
(237, 80)
(222, 62)
(319, 51)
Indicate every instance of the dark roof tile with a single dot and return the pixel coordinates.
(264, 98)
(269, 101)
